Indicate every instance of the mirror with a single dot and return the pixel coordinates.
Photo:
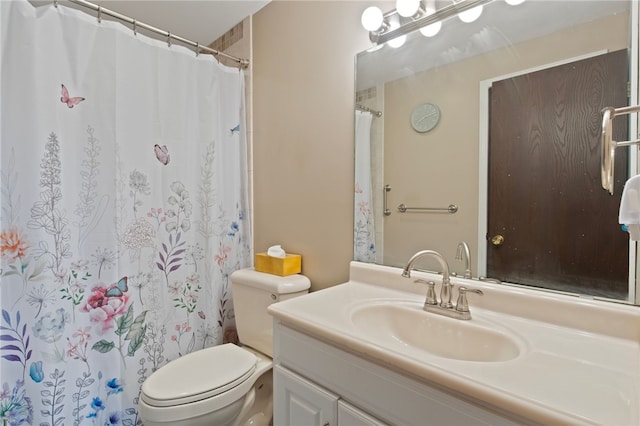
(466, 72)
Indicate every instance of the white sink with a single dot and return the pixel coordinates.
(396, 322)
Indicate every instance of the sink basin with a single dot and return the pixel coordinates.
(406, 326)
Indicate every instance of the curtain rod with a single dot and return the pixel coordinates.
(241, 63)
(372, 111)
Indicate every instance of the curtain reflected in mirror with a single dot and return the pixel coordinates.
(364, 235)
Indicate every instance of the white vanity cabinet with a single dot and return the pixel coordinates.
(317, 383)
(301, 402)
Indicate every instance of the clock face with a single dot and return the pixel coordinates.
(425, 117)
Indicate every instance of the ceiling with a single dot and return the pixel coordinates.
(201, 21)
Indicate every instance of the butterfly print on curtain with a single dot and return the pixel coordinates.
(66, 99)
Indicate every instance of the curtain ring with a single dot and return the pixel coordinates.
(99, 14)
(135, 28)
(197, 49)
(169, 39)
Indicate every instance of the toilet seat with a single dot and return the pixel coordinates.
(199, 375)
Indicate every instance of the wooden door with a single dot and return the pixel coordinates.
(560, 229)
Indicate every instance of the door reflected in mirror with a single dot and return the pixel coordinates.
(516, 146)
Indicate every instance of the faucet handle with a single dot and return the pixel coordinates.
(462, 305)
(431, 291)
(431, 294)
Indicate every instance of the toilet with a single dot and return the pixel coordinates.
(225, 384)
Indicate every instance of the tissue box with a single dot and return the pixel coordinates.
(282, 266)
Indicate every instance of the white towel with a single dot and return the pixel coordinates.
(630, 207)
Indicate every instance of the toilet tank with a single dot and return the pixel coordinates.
(252, 293)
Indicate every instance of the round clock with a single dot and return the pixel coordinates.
(425, 117)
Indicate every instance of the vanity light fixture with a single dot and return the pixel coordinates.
(373, 20)
(470, 15)
(411, 15)
(398, 41)
(407, 8)
(431, 29)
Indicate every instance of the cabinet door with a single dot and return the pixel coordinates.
(348, 415)
(299, 402)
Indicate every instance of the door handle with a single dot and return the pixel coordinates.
(497, 240)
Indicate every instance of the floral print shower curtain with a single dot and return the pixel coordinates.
(124, 210)
(364, 231)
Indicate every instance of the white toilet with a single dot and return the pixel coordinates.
(226, 384)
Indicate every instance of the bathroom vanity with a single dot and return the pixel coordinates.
(316, 383)
(365, 353)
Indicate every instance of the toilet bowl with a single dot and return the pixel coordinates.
(212, 386)
(224, 385)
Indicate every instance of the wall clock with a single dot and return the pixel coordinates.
(425, 117)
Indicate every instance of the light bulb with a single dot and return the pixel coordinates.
(372, 18)
(514, 2)
(431, 30)
(470, 15)
(407, 8)
(397, 42)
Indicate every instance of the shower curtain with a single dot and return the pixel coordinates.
(124, 210)
(364, 248)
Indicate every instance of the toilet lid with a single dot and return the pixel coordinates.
(199, 375)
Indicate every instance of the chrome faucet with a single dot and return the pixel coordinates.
(462, 253)
(445, 290)
(445, 307)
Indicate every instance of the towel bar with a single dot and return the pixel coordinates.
(452, 208)
(607, 153)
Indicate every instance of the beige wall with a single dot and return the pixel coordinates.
(303, 100)
(440, 167)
